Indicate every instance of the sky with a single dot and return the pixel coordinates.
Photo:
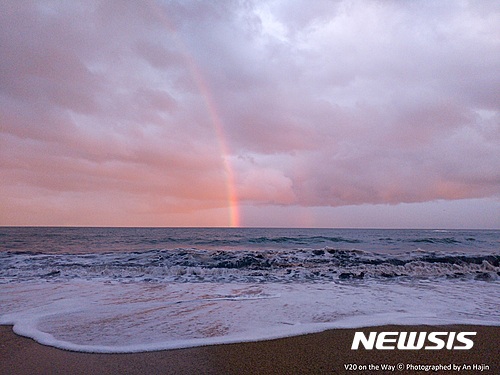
(278, 113)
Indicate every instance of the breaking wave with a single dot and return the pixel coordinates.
(197, 265)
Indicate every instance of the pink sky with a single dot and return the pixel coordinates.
(255, 113)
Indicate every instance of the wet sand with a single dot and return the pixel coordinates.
(319, 353)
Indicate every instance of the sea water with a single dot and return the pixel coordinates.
(140, 289)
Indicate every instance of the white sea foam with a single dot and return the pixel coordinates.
(112, 317)
(194, 265)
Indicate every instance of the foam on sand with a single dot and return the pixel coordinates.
(112, 317)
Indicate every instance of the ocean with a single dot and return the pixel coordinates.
(116, 290)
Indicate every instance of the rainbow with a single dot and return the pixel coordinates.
(232, 198)
(204, 90)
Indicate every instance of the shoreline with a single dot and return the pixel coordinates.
(327, 352)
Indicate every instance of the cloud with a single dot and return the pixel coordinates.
(339, 103)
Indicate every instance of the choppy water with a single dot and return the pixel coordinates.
(134, 289)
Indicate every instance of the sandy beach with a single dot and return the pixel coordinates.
(327, 352)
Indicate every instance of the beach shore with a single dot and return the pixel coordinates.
(327, 352)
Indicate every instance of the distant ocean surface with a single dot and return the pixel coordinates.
(141, 289)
